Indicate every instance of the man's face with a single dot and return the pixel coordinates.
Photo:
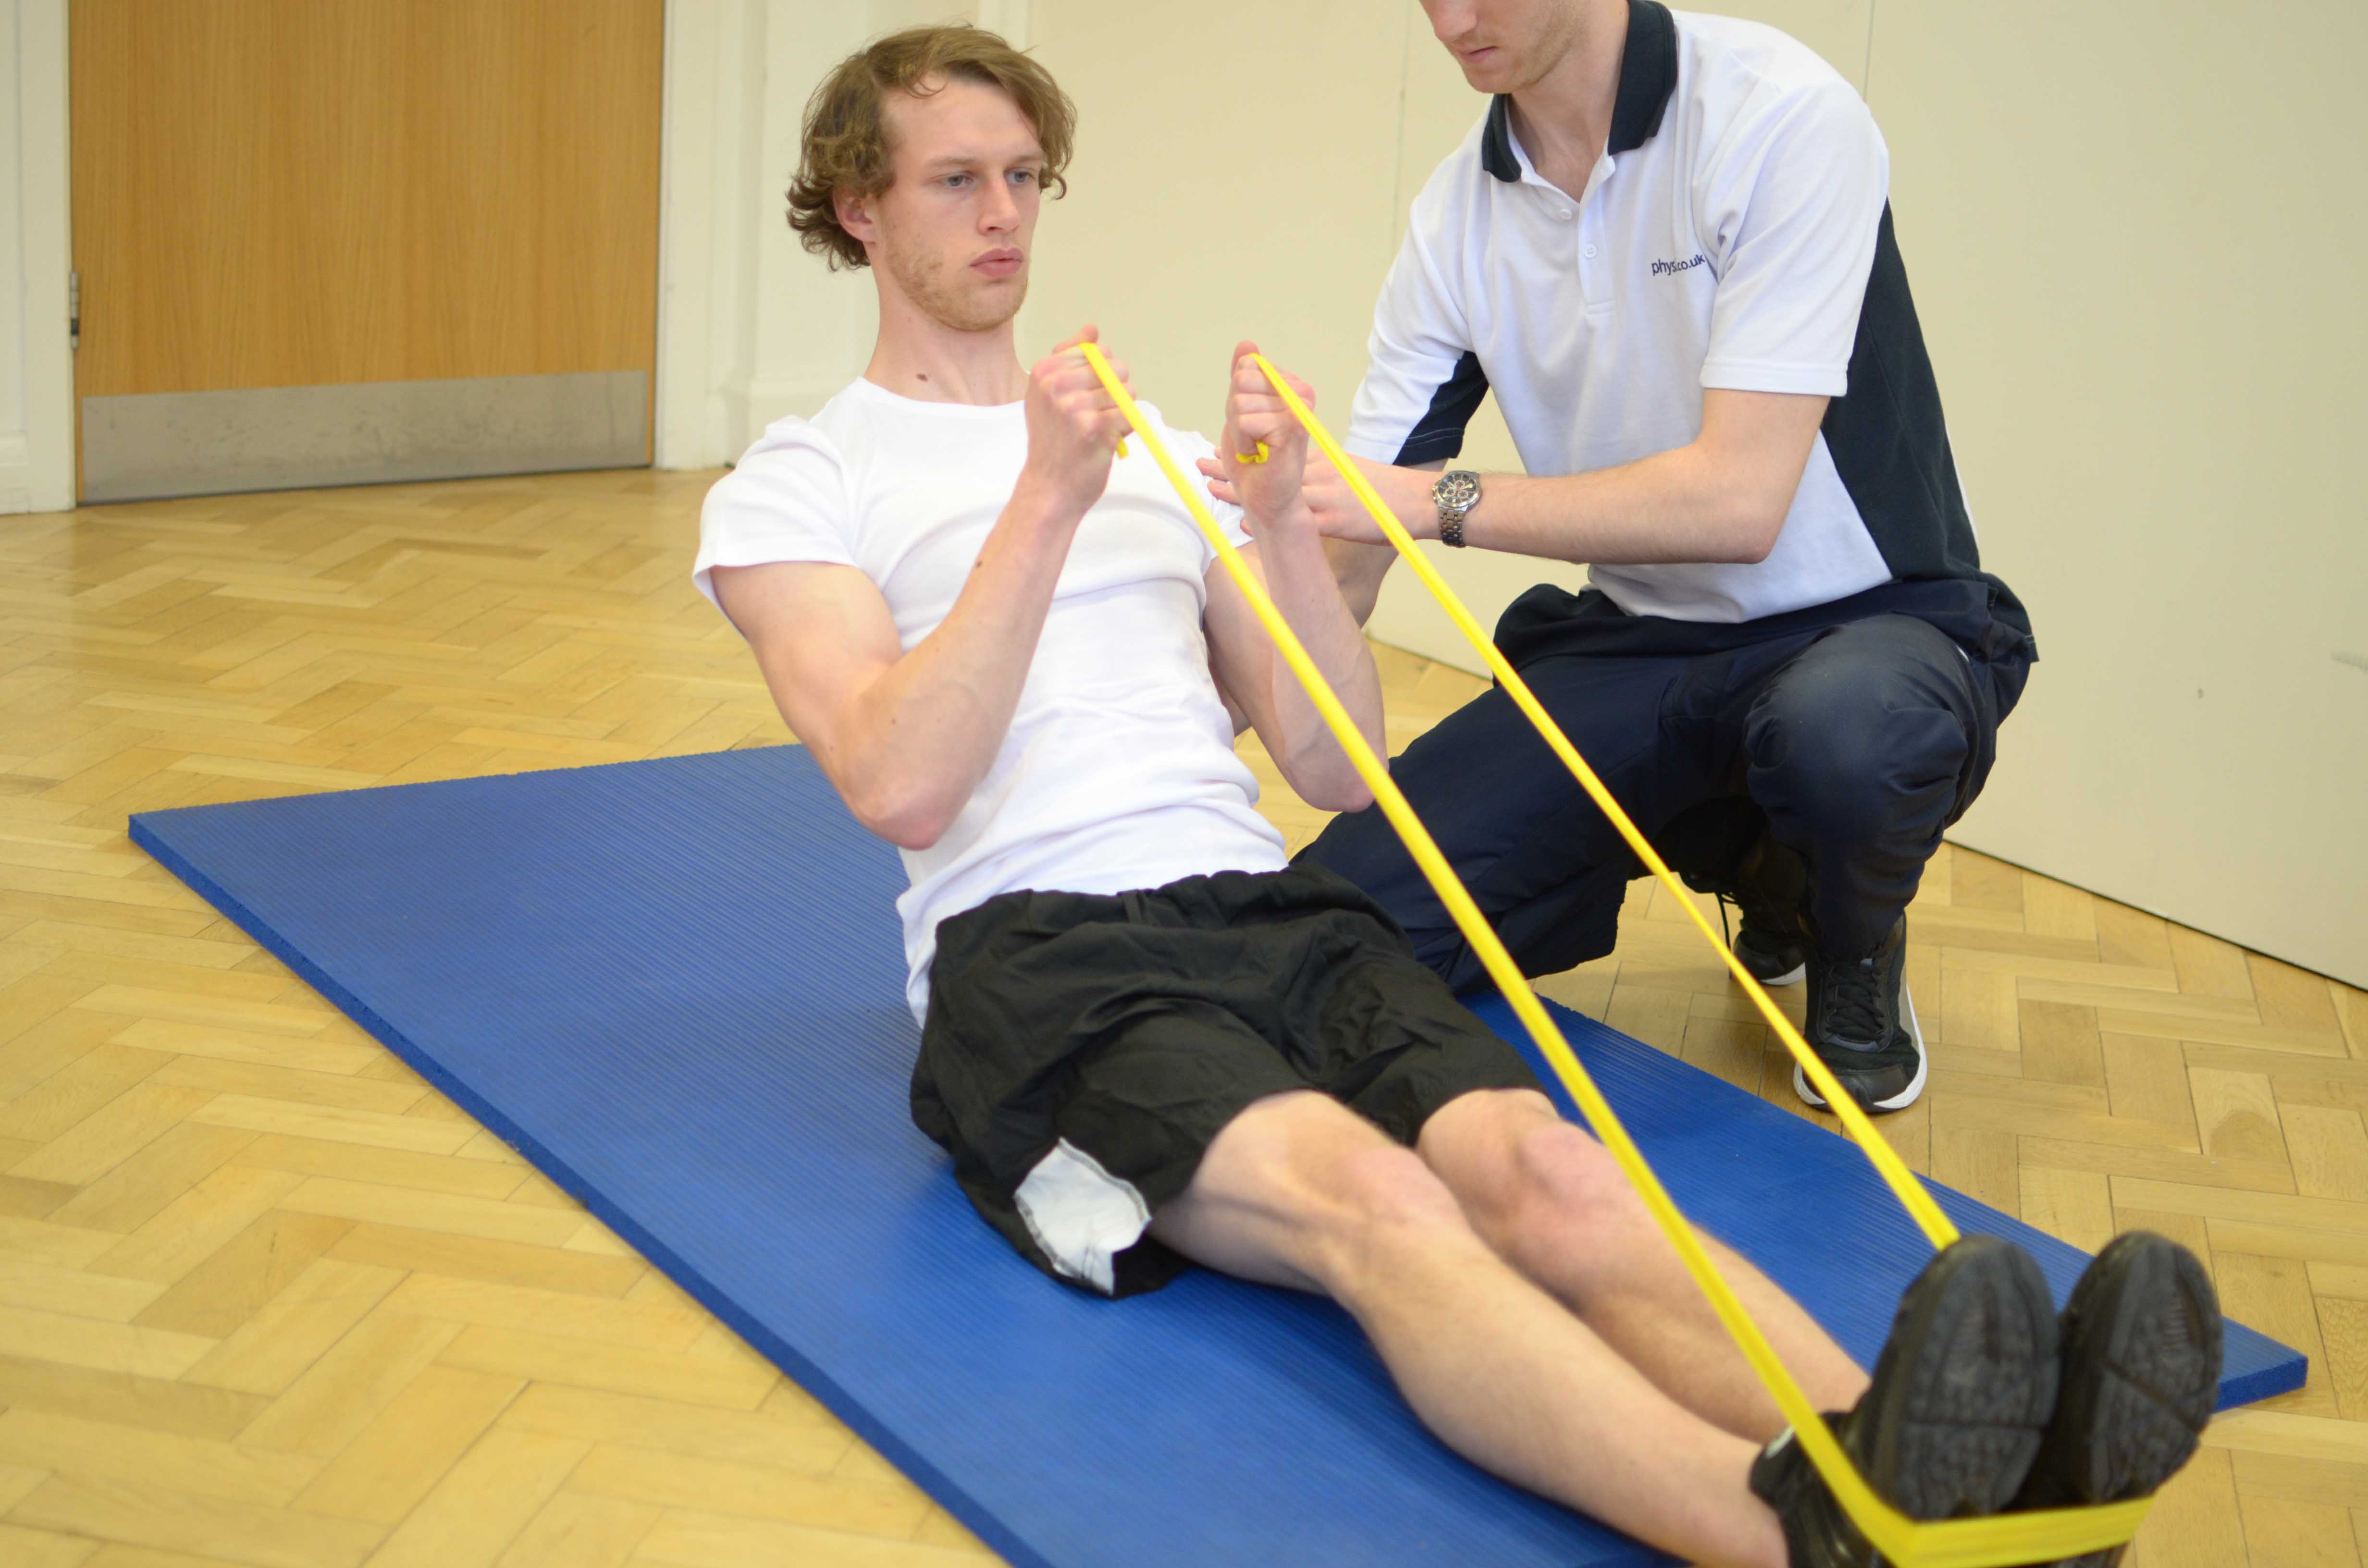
(952, 230)
(1504, 46)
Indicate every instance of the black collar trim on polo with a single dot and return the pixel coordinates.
(1497, 140)
(1648, 74)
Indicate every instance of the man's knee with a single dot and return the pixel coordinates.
(1387, 1190)
(1386, 1202)
(1847, 746)
(1573, 1199)
(1852, 782)
(1346, 1195)
(1547, 1192)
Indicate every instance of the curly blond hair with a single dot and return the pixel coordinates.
(845, 143)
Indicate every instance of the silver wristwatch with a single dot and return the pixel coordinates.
(1457, 491)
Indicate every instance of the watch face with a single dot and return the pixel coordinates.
(1455, 492)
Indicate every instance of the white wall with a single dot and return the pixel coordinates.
(2135, 238)
(750, 327)
(36, 370)
(1242, 195)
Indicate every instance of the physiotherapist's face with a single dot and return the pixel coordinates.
(1503, 46)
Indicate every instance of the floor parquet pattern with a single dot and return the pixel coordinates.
(267, 1298)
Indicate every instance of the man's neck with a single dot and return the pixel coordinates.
(1564, 118)
(919, 357)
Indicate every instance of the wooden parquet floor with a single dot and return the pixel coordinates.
(267, 1298)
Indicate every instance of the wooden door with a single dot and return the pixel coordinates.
(349, 241)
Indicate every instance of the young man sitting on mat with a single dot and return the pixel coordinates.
(1147, 1039)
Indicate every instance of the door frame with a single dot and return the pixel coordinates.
(37, 466)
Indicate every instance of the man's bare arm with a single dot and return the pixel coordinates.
(1290, 559)
(906, 736)
(1721, 497)
(1360, 568)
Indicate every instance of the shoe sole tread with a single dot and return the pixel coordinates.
(2143, 1386)
(1957, 1427)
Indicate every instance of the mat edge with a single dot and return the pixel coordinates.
(809, 1377)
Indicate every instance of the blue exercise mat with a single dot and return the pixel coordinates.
(677, 987)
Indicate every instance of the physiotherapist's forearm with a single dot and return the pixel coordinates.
(1678, 506)
(919, 739)
(1720, 499)
(1683, 505)
(1299, 579)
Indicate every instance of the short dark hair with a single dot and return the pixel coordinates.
(844, 142)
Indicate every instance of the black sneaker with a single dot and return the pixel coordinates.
(2141, 1339)
(1861, 1023)
(1954, 1415)
(1773, 958)
(1770, 888)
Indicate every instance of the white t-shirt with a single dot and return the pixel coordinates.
(1118, 771)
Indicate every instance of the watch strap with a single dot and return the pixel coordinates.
(1457, 491)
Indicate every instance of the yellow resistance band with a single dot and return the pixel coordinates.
(2000, 1542)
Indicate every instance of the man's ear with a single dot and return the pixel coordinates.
(854, 214)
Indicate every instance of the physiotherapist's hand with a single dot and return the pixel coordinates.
(1074, 426)
(1256, 416)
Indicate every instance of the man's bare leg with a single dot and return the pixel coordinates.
(1300, 1191)
(1552, 1202)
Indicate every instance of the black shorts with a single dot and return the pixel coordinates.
(1082, 1051)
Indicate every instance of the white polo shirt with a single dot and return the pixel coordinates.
(1735, 234)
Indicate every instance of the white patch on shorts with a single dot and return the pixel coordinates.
(1081, 1216)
